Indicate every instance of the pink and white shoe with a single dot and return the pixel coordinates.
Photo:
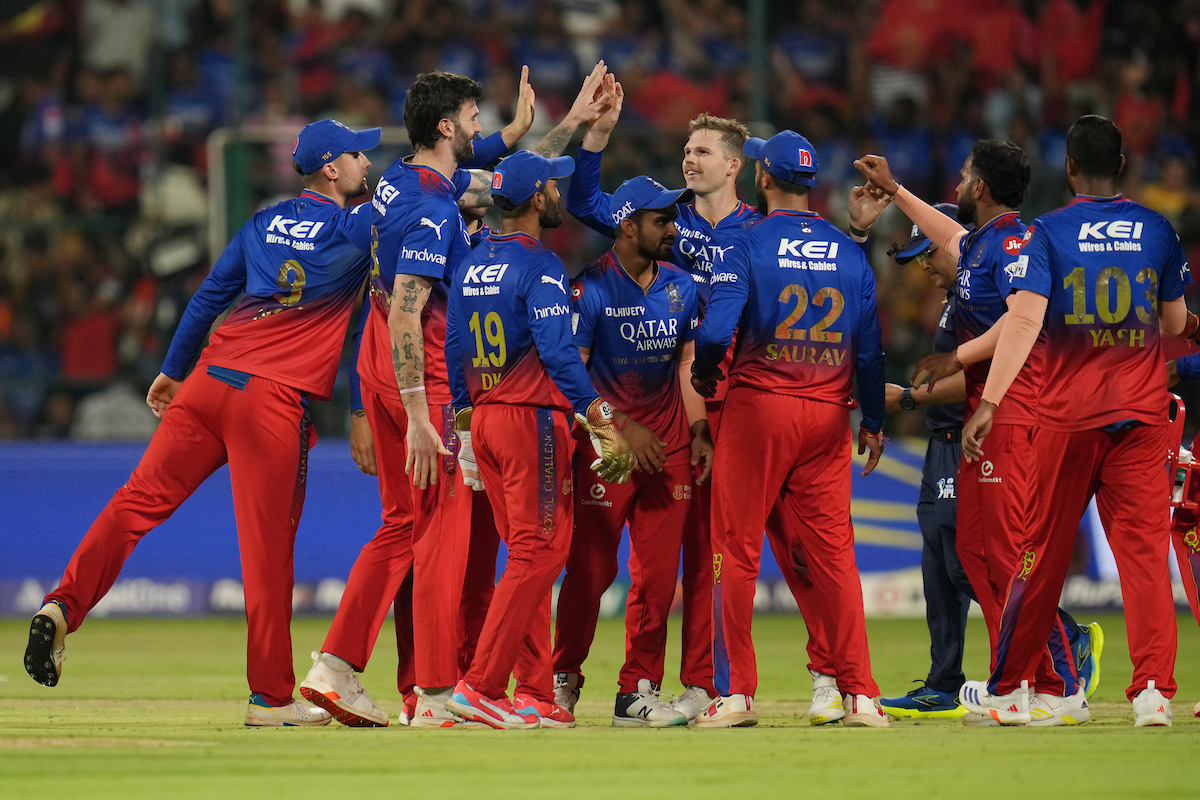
(552, 715)
(495, 712)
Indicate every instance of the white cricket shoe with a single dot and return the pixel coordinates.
(863, 712)
(1196, 710)
(336, 688)
(1007, 709)
(1048, 710)
(261, 714)
(1151, 708)
(645, 709)
(692, 702)
(826, 706)
(973, 720)
(431, 711)
(733, 711)
(47, 647)
(566, 690)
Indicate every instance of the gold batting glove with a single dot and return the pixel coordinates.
(614, 459)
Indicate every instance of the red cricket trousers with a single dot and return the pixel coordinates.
(996, 499)
(793, 564)
(659, 508)
(1124, 469)
(795, 453)
(524, 455)
(264, 432)
(427, 532)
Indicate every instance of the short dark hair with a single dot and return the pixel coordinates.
(433, 97)
(1094, 144)
(1004, 167)
(510, 211)
(787, 187)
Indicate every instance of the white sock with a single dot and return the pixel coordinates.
(336, 663)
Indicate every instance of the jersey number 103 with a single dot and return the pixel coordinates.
(1104, 296)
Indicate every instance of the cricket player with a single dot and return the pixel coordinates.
(298, 267)
(633, 319)
(1104, 278)
(948, 592)
(802, 298)
(994, 497)
(419, 236)
(516, 378)
(706, 226)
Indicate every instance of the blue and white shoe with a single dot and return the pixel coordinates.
(1007, 709)
(924, 703)
(1087, 649)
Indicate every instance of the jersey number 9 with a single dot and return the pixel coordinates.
(290, 280)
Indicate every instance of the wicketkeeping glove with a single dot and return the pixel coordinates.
(614, 459)
(466, 455)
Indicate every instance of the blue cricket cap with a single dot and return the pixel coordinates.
(787, 155)
(323, 141)
(644, 192)
(523, 174)
(919, 242)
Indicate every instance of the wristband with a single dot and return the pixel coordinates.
(856, 232)
(413, 389)
(1191, 328)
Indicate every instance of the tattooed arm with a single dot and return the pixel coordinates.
(479, 191)
(593, 99)
(409, 295)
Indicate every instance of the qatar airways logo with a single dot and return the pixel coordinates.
(802, 248)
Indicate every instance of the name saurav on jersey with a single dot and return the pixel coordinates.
(287, 232)
(1106, 237)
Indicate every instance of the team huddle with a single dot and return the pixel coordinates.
(695, 383)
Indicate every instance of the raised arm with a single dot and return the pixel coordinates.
(941, 230)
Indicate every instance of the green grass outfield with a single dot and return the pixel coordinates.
(154, 709)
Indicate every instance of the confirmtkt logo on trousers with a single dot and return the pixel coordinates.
(985, 473)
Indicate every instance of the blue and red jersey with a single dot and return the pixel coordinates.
(508, 329)
(699, 248)
(984, 284)
(636, 337)
(946, 416)
(1105, 264)
(418, 231)
(299, 266)
(801, 296)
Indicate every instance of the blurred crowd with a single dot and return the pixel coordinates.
(106, 107)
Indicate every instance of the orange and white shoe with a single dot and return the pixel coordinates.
(734, 711)
(552, 714)
(332, 685)
(863, 712)
(431, 711)
(1007, 709)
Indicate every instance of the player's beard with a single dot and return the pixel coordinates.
(462, 146)
(652, 251)
(551, 217)
(359, 190)
(966, 210)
